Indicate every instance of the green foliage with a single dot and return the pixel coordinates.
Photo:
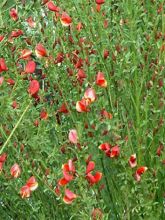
(134, 71)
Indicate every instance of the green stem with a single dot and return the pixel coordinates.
(15, 127)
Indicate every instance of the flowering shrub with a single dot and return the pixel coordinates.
(82, 109)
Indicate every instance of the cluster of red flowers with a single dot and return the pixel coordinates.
(69, 173)
(90, 94)
(133, 163)
(92, 179)
(114, 151)
(65, 19)
(110, 151)
(83, 104)
(30, 186)
(15, 172)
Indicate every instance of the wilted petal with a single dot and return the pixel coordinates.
(25, 54)
(160, 150)
(15, 170)
(73, 137)
(25, 192)
(90, 94)
(31, 22)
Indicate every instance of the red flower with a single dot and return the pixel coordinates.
(100, 80)
(1, 38)
(44, 115)
(15, 170)
(34, 87)
(3, 66)
(139, 172)
(92, 179)
(40, 51)
(63, 109)
(105, 147)
(82, 106)
(25, 192)
(52, 7)
(99, 2)
(69, 196)
(16, 33)
(44, 1)
(3, 157)
(132, 161)
(66, 20)
(30, 66)
(13, 14)
(63, 182)
(114, 151)
(110, 151)
(81, 75)
(32, 183)
(68, 173)
(2, 160)
(90, 167)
